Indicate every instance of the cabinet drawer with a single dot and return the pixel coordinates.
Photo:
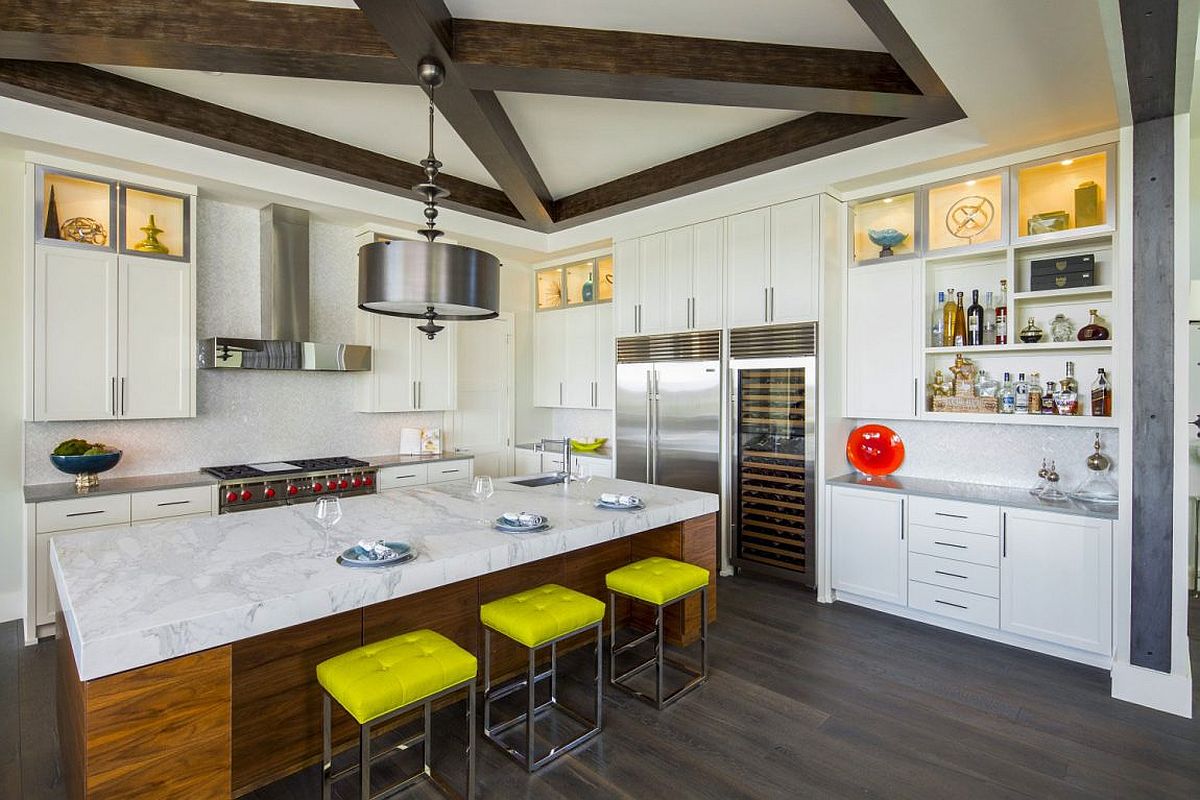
(181, 502)
(954, 515)
(972, 547)
(449, 471)
(83, 512)
(399, 477)
(953, 603)
(968, 577)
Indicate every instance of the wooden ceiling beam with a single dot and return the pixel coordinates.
(418, 29)
(544, 59)
(97, 94)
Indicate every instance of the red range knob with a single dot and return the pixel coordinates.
(292, 489)
(231, 497)
(317, 486)
(246, 495)
(269, 493)
(343, 483)
(357, 481)
(368, 480)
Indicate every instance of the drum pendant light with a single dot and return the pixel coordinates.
(428, 280)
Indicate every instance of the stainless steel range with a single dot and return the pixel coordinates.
(244, 487)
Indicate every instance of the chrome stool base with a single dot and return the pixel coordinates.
(532, 677)
(366, 758)
(620, 680)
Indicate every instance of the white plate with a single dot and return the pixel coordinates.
(543, 527)
(403, 552)
(619, 506)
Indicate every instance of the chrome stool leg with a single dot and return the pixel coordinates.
(659, 660)
(327, 748)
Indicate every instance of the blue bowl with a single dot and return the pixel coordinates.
(83, 465)
(888, 237)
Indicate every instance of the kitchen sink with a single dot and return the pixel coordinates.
(541, 480)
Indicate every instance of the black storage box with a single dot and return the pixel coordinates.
(1070, 272)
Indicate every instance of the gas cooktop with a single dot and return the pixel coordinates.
(240, 472)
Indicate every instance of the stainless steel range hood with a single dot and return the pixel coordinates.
(285, 300)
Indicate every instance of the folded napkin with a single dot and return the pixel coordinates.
(373, 551)
(524, 519)
(620, 499)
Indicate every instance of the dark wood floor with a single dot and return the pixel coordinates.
(804, 701)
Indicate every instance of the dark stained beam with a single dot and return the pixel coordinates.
(790, 143)
(101, 95)
(545, 59)
(891, 34)
(213, 35)
(416, 29)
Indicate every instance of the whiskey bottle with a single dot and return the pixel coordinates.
(1101, 395)
(975, 320)
(1066, 401)
(1093, 331)
(1021, 395)
(1048, 406)
(1002, 315)
(960, 323)
(948, 312)
(1035, 393)
(1008, 397)
(937, 334)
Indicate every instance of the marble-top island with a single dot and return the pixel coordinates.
(234, 612)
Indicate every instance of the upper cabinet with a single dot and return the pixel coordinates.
(1065, 195)
(574, 357)
(671, 282)
(749, 264)
(882, 329)
(773, 255)
(575, 284)
(113, 313)
(410, 371)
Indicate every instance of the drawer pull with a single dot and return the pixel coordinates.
(174, 503)
(954, 516)
(448, 471)
(948, 603)
(949, 574)
(87, 513)
(400, 477)
(952, 544)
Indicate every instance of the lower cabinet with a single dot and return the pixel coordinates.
(870, 556)
(528, 462)
(533, 462)
(403, 476)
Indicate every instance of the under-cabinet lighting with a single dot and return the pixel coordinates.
(971, 182)
(1066, 162)
(888, 199)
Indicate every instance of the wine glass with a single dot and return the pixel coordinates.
(481, 489)
(328, 514)
(581, 473)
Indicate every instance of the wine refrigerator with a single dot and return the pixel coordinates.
(772, 374)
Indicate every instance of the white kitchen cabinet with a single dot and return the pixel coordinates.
(882, 328)
(870, 555)
(676, 300)
(595, 467)
(748, 268)
(528, 462)
(156, 356)
(627, 283)
(575, 359)
(409, 371)
(453, 470)
(606, 358)
(1056, 578)
(550, 356)
(708, 274)
(579, 358)
(652, 267)
(795, 228)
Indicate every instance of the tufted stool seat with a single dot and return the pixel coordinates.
(537, 618)
(380, 681)
(659, 582)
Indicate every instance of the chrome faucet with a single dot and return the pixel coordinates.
(567, 472)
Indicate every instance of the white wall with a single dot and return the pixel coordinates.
(11, 359)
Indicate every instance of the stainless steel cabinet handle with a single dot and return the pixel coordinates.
(560, 393)
(954, 516)
(1004, 535)
(766, 305)
(771, 291)
(86, 513)
(949, 574)
(947, 603)
(174, 503)
(113, 393)
(122, 397)
(952, 544)
(915, 393)
(902, 519)
(649, 418)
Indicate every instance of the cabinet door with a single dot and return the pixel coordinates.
(881, 335)
(75, 334)
(870, 555)
(676, 300)
(549, 358)
(794, 255)
(626, 287)
(391, 384)
(528, 462)
(708, 274)
(606, 358)
(155, 361)
(652, 257)
(579, 357)
(1056, 578)
(748, 261)
(45, 601)
(435, 367)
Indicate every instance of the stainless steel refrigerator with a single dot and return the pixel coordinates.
(669, 410)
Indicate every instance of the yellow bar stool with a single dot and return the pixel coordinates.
(659, 582)
(538, 618)
(379, 682)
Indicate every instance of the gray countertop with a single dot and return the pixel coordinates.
(44, 492)
(971, 493)
(399, 460)
(604, 452)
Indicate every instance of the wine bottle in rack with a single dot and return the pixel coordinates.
(975, 320)
(1002, 314)
(960, 323)
(948, 312)
(937, 331)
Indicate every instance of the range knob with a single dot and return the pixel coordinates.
(357, 481)
(368, 480)
(292, 489)
(246, 495)
(269, 493)
(343, 483)
(231, 497)
(317, 486)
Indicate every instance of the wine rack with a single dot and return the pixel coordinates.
(772, 494)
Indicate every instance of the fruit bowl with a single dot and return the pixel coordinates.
(587, 446)
(86, 469)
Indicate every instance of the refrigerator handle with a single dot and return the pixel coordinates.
(649, 433)
(654, 437)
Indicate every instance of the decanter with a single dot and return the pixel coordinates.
(1093, 331)
(1098, 486)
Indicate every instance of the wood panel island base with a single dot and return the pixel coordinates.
(226, 720)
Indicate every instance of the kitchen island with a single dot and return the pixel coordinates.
(188, 647)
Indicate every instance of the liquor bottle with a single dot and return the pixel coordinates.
(985, 385)
(937, 335)
(1008, 397)
(1035, 393)
(1067, 398)
(1021, 395)
(1002, 315)
(1101, 395)
(1048, 406)
(960, 323)
(948, 312)
(975, 320)
(1093, 331)
(989, 319)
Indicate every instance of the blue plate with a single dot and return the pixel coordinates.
(545, 526)
(354, 557)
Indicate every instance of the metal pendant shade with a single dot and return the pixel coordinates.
(427, 280)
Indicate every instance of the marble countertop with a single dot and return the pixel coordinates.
(45, 492)
(604, 452)
(972, 493)
(140, 595)
(398, 460)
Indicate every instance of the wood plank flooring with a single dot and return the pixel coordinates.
(804, 701)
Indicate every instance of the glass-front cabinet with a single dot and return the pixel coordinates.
(75, 210)
(575, 284)
(966, 212)
(885, 227)
(1065, 193)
